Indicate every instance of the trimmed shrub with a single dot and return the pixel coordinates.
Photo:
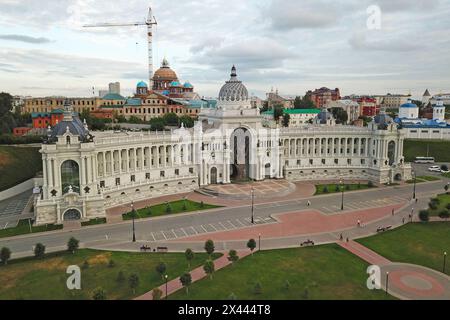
(325, 190)
(444, 214)
(424, 215)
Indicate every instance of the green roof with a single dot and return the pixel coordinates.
(113, 96)
(295, 111)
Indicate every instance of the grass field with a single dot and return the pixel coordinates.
(17, 165)
(334, 188)
(175, 207)
(444, 201)
(418, 148)
(93, 222)
(324, 272)
(416, 243)
(447, 175)
(45, 279)
(23, 227)
(421, 179)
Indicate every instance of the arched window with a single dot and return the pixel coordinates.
(70, 177)
(68, 139)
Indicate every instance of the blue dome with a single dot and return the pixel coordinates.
(166, 92)
(408, 105)
(175, 84)
(187, 85)
(142, 84)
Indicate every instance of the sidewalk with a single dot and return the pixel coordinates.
(197, 274)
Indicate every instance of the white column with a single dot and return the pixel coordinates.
(89, 169)
(50, 173)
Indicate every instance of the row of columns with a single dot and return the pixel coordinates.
(298, 147)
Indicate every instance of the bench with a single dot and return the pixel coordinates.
(145, 248)
(383, 229)
(162, 249)
(307, 243)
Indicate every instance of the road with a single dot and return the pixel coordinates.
(173, 227)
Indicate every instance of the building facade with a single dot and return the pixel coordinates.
(320, 97)
(86, 173)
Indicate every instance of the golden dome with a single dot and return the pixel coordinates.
(165, 73)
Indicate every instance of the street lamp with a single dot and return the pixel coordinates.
(133, 214)
(259, 242)
(343, 189)
(253, 206)
(445, 257)
(414, 192)
(387, 281)
(166, 277)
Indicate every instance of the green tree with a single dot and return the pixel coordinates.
(286, 119)
(157, 124)
(157, 294)
(161, 268)
(424, 215)
(303, 103)
(133, 282)
(171, 119)
(186, 281)
(209, 268)
(39, 250)
(446, 188)
(72, 245)
(189, 254)
(187, 121)
(444, 214)
(135, 120)
(277, 112)
(251, 244)
(99, 294)
(5, 254)
(209, 247)
(233, 256)
(340, 115)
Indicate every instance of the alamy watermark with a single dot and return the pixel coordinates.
(374, 17)
(74, 280)
(374, 280)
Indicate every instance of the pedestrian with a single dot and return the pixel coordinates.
(341, 237)
(393, 212)
(417, 200)
(347, 239)
(359, 223)
(309, 203)
(403, 220)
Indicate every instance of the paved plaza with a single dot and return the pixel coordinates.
(11, 209)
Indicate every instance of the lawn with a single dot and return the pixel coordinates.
(418, 148)
(447, 175)
(325, 272)
(94, 222)
(23, 227)
(45, 279)
(421, 179)
(444, 201)
(334, 188)
(416, 243)
(180, 206)
(17, 165)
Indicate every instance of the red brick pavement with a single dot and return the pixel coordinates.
(300, 223)
(196, 274)
(364, 253)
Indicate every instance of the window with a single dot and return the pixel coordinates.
(102, 184)
(363, 161)
(299, 162)
(70, 177)
(191, 170)
(117, 181)
(349, 161)
(336, 161)
(162, 174)
(133, 178)
(147, 176)
(323, 161)
(311, 161)
(177, 172)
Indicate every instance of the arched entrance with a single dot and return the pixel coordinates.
(240, 144)
(398, 177)
(72, 215)
(267, 171)
(214, 175)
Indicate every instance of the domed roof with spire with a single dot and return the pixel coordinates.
(71, 123)
(233, 90)
(165, 72)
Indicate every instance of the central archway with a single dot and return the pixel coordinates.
(214, 175)
(240, 144)
(72, 215)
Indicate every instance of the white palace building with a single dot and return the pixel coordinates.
(86, 173)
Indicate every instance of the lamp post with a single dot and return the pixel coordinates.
(133, 214)
(387, 281)
(165, 278)
(259, 242)
(415, 179)
(445, 257)
(343, 189)
(253, 206)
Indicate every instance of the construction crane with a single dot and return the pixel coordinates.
(150, 22)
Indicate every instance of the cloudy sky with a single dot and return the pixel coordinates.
(293, 45)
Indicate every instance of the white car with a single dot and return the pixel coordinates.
(434, 169)
(445, 171)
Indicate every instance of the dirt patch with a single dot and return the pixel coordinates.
(100, 259)
(51, 264)
(10, 276)
(4, 159)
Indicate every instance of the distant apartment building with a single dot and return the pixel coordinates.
(369, 106)
(444, 97)
(297, 117)
(114, 87)
(320, 97)
(42, 120)
(394, 101)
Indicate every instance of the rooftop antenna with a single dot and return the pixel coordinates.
(149, 22)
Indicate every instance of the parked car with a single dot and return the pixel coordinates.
(434, 169)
